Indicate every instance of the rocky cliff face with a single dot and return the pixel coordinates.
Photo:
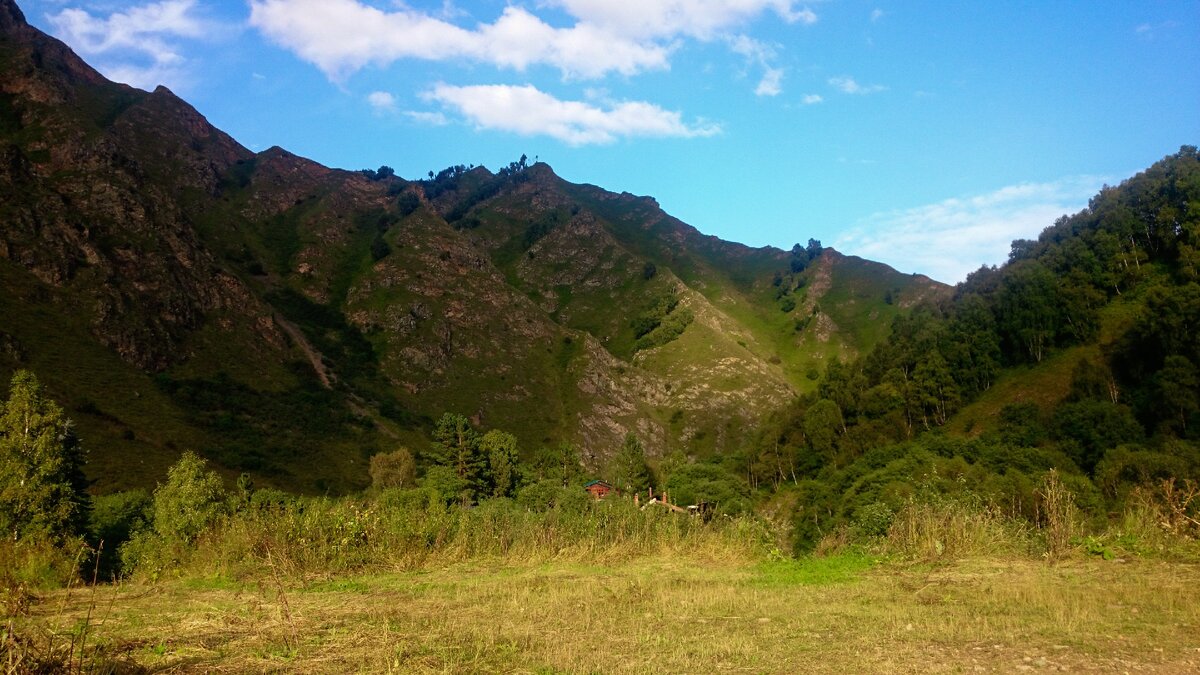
(229, 291)
(92, 174)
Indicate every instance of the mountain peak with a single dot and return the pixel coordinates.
(10, 15)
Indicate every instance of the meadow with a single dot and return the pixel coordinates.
(662, 613)
(397, 584)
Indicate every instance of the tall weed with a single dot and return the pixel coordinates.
(940, 527)
(409, 529)
(1058, 516)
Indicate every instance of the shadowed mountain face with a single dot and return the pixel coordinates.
(175, 290)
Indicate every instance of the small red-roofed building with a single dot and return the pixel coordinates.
(598, 489)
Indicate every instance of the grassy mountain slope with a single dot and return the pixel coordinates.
(177, 291)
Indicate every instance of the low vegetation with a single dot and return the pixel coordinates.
(489, 563)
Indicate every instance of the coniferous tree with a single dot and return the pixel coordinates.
(628, 470)
(559, 464)
(456, 446)
(499, 449)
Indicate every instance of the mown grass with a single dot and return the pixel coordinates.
(659, 613)
(403, 584)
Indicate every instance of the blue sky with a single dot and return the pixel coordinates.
(926, 135)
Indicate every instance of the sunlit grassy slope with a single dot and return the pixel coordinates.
(1047, 383)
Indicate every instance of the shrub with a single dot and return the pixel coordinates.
(874, 519)
(546, 495)
(191, 500)
(268, 499)
(396, 469)
(115, 518)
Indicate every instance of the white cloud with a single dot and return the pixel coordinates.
(701, 19)
(876, 14)
(771, 83)
(806, 16)
(382, 101)
(150, 33)
(811, 99)
(762, 55)
(952, 238)
(1148, 31)
(342, 36)
(527, 111)
(433, 119)
(847, 85)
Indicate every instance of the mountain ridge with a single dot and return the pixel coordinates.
(290, 319)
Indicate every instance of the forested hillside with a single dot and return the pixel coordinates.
(1080, 354)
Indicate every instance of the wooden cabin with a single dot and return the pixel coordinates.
(598, 489)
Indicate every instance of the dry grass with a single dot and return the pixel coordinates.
(840, 614)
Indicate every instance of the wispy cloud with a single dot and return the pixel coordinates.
(771, 83)
(527, 111)
(762, 55)
(805, 16)
(1149, 31)
(952, 238)
(433, 119)
(382, 101)
(811, 99)
(848, 85)
(138, 46)
(877, 14)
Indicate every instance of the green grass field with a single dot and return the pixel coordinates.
(653, 614)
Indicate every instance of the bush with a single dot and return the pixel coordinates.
(115, 518)
(874, 519)
(445, 483)
(268, 499)
(191, 500)
(396, 469)
(709, 483)
(407, 203)
(546, 495)
(405, 529)
(34, 564)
